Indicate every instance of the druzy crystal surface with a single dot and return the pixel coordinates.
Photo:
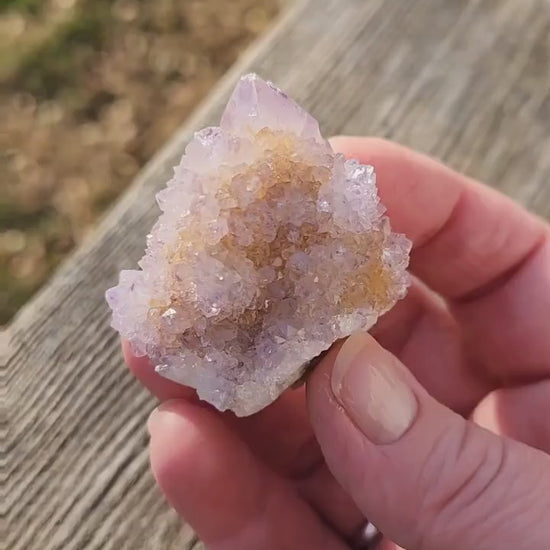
(269, 248)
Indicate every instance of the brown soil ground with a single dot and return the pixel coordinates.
(90, 89)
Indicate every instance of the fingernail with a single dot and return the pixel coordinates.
(370, 385)
(152, 419)
(161, 413)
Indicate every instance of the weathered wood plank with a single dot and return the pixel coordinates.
(467, 81)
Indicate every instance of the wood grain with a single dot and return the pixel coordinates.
(465, 81)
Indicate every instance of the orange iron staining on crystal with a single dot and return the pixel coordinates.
(269, 248)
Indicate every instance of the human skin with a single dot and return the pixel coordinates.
(436, 426)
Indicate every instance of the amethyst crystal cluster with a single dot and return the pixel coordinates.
(269, 248)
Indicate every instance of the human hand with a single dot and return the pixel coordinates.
(373, 438)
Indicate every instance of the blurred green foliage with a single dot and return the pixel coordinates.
(58, 62)
(25, 6)
(90, 90)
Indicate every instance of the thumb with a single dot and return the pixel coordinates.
(425, 476)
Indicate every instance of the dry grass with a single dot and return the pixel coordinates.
(90, 90)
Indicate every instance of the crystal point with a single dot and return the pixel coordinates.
(256, 104)
(269, 248)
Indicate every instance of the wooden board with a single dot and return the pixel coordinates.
(466, 81)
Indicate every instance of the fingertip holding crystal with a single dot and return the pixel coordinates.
(269, 248)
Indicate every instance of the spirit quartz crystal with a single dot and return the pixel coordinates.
(269, 248)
